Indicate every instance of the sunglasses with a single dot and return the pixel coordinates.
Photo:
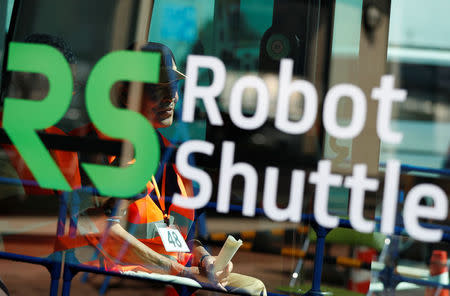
(162, 89)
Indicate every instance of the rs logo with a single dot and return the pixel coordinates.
(22, 118)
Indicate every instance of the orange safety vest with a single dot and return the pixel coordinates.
(143, 216)
(67, 162)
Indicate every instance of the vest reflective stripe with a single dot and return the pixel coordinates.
(143, 214)
(67, 162)
(148, 231)
(182, 222)
(145, 230)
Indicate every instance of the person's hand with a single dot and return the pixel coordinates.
(181, 270)
(190, 272)
(220, 278)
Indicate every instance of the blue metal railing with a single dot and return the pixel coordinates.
(54, 264)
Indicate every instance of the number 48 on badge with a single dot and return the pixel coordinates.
(172, 239)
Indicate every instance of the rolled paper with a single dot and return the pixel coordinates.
(227, 252)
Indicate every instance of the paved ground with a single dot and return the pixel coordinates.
(27, 279)
(274, 270)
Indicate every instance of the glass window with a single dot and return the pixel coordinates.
(226, 131)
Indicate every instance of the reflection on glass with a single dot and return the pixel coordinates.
(250, 37)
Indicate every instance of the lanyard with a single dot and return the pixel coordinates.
(161, 204)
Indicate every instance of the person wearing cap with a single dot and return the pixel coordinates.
(132, 242)
(32, 86)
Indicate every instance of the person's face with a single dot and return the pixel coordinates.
(158, 103)
(31, 86)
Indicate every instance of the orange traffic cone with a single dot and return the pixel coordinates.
(360, 279)
(438, 273)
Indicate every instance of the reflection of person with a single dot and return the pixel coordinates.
(33, 86)
(144, 245)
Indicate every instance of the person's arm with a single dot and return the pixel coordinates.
(138, 253)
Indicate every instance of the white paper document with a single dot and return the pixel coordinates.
(227, 252)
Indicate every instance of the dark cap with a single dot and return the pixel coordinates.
(168, 70)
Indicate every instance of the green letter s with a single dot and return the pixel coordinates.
(123, 124)
(23, 117)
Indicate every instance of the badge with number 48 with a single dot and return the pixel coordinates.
(172, 239)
